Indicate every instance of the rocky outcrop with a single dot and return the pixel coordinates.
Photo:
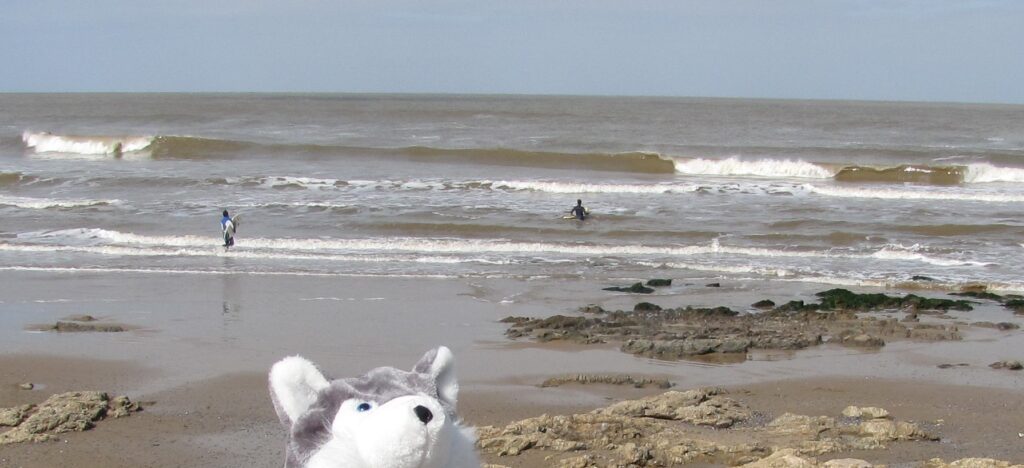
(612, 379)
(65, 412)
(665, 430)
(651, 330)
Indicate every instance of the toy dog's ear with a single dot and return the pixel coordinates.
(294, 384)
(440, 364)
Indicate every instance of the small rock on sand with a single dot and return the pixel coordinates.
(866, 412)
(1008, 365)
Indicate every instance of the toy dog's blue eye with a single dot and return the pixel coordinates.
(363, 407)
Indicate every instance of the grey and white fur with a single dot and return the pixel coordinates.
(387, 418)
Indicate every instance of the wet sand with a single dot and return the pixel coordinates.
(200, 348)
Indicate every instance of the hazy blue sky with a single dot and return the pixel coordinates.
(930, 50)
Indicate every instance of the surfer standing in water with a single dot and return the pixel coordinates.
(228, 227)
(579, 211)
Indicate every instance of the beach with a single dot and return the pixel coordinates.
(200, 374)
(374, 228)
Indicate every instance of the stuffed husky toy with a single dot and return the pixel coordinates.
(388, 418)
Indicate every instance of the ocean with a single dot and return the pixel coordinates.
(903, 195)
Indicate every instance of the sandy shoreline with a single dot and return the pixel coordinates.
(198, 357)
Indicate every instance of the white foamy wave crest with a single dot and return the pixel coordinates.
(304, 182)
(43, 142)
(900, 194)
(176, 271)
(435, 246)
(566, 187)
(981, 173)
(45, 203)
(742, 269)
(901, 253)
(761, 168)
(237, 253)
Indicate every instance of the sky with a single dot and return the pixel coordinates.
(907, 50)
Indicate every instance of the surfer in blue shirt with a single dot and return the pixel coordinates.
(579, 211)
(228, 227)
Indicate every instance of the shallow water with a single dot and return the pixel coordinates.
(845, 193)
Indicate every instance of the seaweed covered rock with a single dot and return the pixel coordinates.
(844, 299)
(658, 283)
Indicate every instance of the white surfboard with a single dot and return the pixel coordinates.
(229, 229)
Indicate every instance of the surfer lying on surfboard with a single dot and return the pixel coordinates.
(579, 211)
(228, 225)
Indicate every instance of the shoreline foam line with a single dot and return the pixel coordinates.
(482, 247)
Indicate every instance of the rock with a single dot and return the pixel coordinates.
(867, 412)
(592, 309)
(676, 349)
(636, 288)
(763, 304)
(658, 431)
(646, 307)
(26, 386)
(784, 458)
(970, 463)
(860, 340)
(921, 278)
(80, 318)
(705, 407)
(66, 412)
(884, 430)
(979, 295)
(655, 283)
(86, 327)
(14, 416)
(713, 285)
(613, 379)
(1016, 305)
(847, 463)
(1008, 365)
(843, 299)
(798, 424)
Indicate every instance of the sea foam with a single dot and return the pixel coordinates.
(446, 249)
(980, 173)
(910, 194)
(761, 168)
(44, 142)
(46, 203)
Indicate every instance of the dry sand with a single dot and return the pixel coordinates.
(198, 356)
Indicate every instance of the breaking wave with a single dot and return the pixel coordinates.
(189, 147)
(45, 142)
(760, 168)
(799, 169)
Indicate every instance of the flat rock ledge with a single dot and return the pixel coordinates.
(698, 426)
(64, 412)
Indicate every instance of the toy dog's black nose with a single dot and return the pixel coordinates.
(423, 414)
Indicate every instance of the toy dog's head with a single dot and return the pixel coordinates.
(388, 418)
